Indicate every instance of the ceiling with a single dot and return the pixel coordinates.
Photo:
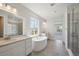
(47, 11)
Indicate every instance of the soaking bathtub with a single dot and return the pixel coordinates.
(39, 43)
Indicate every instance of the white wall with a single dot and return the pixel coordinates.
(52, 28)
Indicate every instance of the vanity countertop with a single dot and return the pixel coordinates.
(15, 39)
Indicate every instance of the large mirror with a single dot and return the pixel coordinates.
(14, 25)
(10, 24)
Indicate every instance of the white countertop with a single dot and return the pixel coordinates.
(4, 42)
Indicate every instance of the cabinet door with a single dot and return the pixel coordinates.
(28, 46)
(19, 49)
(16, 49)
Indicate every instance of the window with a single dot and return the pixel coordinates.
(34, 25)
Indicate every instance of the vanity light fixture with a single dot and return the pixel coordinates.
(14, 10)
(44, 22)
(8, 8)
(1, 5)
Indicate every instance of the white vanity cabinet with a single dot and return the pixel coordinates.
(28, 46)
(18, 48)
(13, 49)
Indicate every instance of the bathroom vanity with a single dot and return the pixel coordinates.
(17, 46)
(12, 40)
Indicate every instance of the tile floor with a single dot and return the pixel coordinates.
(54, 48)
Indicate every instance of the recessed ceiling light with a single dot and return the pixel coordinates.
(52, 4)
(54, 11)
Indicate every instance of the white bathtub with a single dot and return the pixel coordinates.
(39, 43)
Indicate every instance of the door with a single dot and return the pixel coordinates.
(1, 26)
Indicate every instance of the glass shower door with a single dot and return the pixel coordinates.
(73, 30)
